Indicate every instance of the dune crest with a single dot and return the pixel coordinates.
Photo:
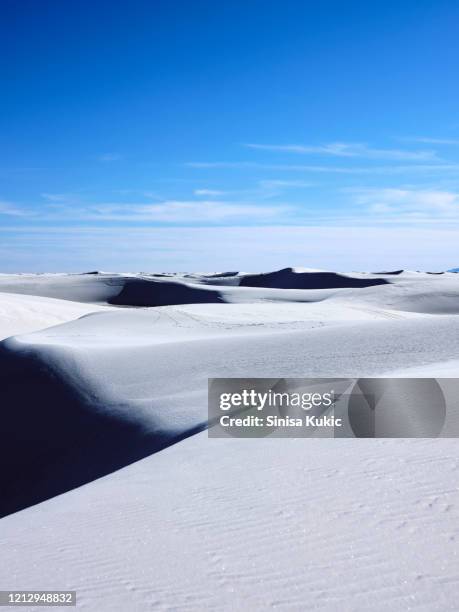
(288, 278)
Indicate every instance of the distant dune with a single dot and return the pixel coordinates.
(288, 278)
(163, 290)
(147, 292)
(391, 273)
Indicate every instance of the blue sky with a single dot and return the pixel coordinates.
(179, 135)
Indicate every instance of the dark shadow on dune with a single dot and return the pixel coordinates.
(289, 279)
(222, 275)
(54, 439)
(390, 273)
(141, 292)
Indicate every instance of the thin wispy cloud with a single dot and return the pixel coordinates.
(65, 209)
(346, 149)
(380, 170)
(434, 141)
(262, 190)
(109, 157)
(177, 211)
(415, 203)
(12, 210)
(281, 184)
(209, 192)
(59, 197)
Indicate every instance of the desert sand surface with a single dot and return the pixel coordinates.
(111, 486)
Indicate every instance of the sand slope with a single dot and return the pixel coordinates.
(253, 525)
(20, 314)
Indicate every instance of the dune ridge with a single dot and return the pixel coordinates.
(289, 278)
(64, 428)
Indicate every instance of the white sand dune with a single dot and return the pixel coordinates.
(221, 524)
(93, 288)
(21, 314)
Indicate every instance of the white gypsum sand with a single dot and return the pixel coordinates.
(228, 524)
(251, 525)
(20, 314)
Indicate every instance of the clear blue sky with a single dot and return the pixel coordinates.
(196, 134)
